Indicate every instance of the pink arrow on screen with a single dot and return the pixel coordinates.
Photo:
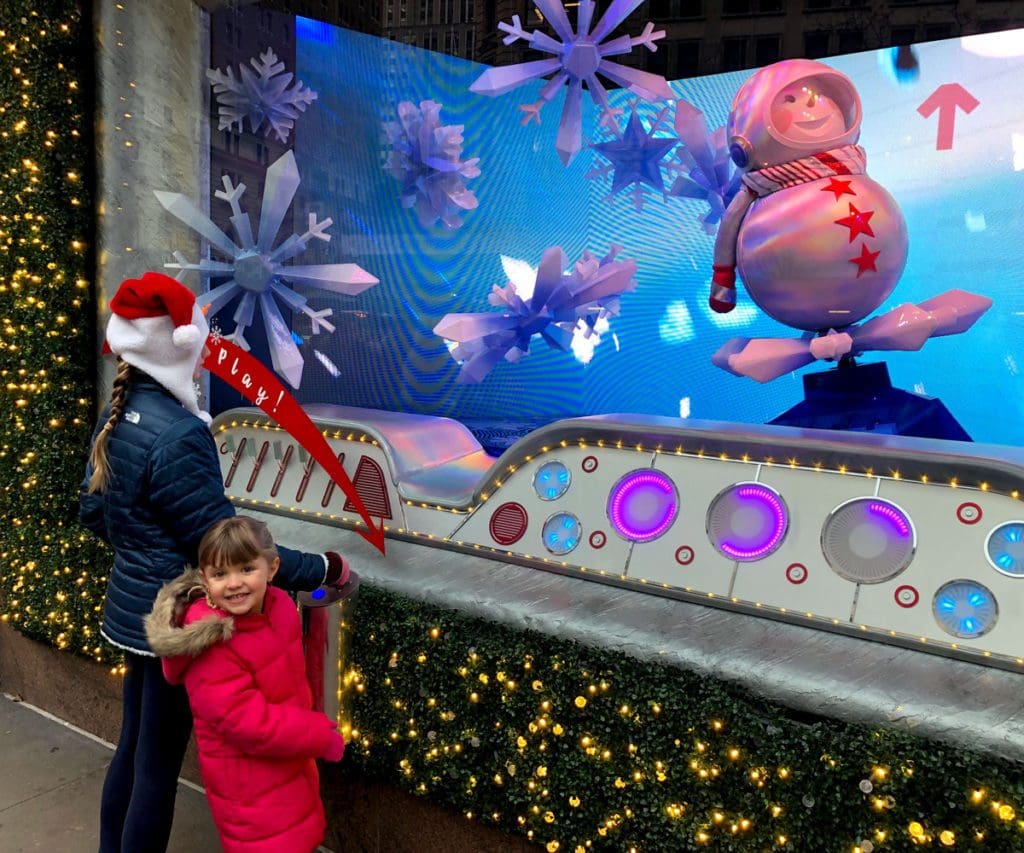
(946, 99)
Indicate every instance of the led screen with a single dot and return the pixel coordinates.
(951, 157)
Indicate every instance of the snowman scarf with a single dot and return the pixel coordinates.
(846, 160)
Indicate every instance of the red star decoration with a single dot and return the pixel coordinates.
(857, 222)
(838, 187)
(866, 261)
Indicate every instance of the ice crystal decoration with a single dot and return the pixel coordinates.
(635, 158)
(256, 272)
(426, 159)
(559, 306)
(710, 174)
(578, 58)
(260, 96)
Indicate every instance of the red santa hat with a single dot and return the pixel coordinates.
(156, 326)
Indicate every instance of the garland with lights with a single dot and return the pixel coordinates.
(51, 583)
(584, 749)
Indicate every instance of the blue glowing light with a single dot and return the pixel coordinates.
(965, 609)
(1005, 549)
(562, 533)
(551, 481)
(318, 594)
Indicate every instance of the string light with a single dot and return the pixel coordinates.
(52, 580)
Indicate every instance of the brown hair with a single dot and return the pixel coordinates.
(235, 540)
(100, 478)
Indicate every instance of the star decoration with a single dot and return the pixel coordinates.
(857, 222)
(838, 187)
(866, 261)
(635, 157)
(576, 59)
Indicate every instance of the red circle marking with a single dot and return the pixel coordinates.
(508, 523)
(598, 539)
(968, 513)
(589, 464)
(684, 555)
(906, 596)
(796, 573)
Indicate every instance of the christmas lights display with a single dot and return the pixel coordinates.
(583, 749)
(51, 575)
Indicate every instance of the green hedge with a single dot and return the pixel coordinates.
(51, 580)
(582, 749)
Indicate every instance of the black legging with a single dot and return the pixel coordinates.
(142, 780)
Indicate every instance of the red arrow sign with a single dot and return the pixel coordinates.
(258, 385)
(946, 99)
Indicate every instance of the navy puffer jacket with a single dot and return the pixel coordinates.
(164, 493)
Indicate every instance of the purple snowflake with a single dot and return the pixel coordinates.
(560, 306)
(710, 174)
(426, 159)
(578, 58)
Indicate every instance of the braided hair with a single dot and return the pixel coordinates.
(98, 455)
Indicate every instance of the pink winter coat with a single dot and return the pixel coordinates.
(255, 730)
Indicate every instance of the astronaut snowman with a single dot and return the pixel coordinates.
(817, 243)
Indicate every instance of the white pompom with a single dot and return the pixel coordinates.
(186, 336)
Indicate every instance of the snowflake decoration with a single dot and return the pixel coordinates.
(426, 160)
(263, 95)
(255, 271)
(635, 158)
(559, 302)
(578, 58)
(711, 175)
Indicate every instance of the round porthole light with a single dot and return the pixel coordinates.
(965, 609)
(747, 522)
(561, 533)
(551, 481)
(1005, 549)
(868, 540)
(642, 505)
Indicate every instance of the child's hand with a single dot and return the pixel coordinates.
(337, 569)
(336, 748)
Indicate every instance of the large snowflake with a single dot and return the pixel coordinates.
(255, 271)
(578, 58)
(260, 96)
(710, 175)
(635, 158)
(560, 306)
(426, 158)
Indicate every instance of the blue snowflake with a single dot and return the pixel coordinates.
(635, 157)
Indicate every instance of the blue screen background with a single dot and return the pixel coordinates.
(962, 207)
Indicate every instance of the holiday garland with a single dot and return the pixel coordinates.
(52, 575)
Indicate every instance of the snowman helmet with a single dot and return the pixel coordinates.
(791, 109)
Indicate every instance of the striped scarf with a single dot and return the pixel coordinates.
(847, 160)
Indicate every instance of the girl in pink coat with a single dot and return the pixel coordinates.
(235, 642)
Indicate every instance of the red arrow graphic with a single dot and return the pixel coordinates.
(946, 99)
(256, 383)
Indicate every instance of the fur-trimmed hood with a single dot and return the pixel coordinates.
(179, 632)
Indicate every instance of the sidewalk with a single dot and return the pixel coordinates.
(51, 775)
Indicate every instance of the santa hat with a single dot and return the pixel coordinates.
(156, 326)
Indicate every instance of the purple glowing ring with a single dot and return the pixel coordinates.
(642, 505)
(868, 540)
(747, 522)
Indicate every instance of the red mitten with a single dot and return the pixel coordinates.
(337, 569)
(335, 749)
(723, 288)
